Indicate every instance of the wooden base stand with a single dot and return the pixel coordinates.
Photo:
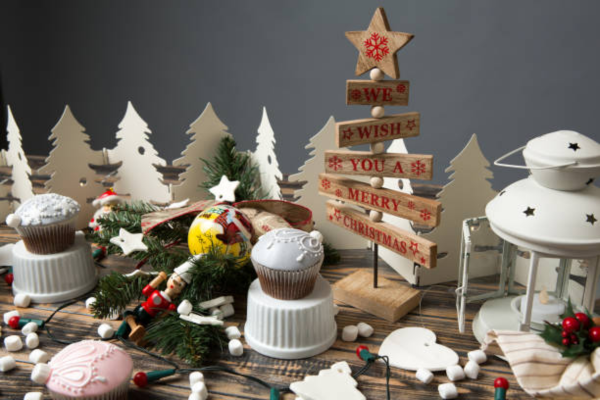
(390, 300)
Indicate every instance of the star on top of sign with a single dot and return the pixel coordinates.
(129, 242)
(377, 46)
(225, 190)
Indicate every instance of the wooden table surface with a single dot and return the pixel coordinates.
(438, 313)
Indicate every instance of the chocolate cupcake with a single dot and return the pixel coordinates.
(287, 262)
(46, 223)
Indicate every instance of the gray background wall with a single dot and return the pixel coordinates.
(507, 70)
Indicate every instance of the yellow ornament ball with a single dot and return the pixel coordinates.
(222, 227)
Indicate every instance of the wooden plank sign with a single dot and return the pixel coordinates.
(417, 209)
(377, 93)
(390, 165)
(413, 247)
(370, 130)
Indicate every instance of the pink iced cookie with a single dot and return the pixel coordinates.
(90, 370)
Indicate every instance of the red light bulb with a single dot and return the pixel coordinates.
(359, 349)
(501, 383)
(140, 379)
(13, 322)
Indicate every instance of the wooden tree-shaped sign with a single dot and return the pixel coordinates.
(377, 46)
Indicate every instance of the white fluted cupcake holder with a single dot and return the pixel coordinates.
(291, 329)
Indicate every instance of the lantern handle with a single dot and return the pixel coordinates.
(510, 153)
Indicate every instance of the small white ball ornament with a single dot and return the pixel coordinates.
(375, 216)
(376, 74)
(377, 148)
(376, 182)
(377, 111)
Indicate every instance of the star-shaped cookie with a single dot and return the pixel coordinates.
(377, 46)
(129, 242)
(225, 190)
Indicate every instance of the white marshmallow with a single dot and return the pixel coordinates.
(477, 356)
(32, 340)
(350, 333)
(336, 309)
(185, 307)
(7, 363)
(424, 375)
(11, 314)
(196, 377)
(233, 332)
(472, 370)
(13, 220)
(342, 367)
(106, 331)
(455, 373)
(448, 391)
(29, 327)
(227, 310)
(200, 388)
(216, 312)
(13, 343)
(236, 348)
(89, 303)
(22, 300)
(219, 301)
(364, 330)
(40, 373)
(195, 396)
(39, 356)
(33, 396)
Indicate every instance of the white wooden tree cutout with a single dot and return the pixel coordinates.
(22, 188)
(266, 159)
(207, 131)
(137, 174)
(69, 166)
(335, 383)
(308, 195)
(465, 196)
(5, 203)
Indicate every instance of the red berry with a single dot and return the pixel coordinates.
(573, 337)
(13, 322)
(140, 379)
(583, 319)
(501, 383)
(594, 334)
(9, 278)
(361, 348)
(570, 324)
(575, 341)
(566, 342)
(565, 334)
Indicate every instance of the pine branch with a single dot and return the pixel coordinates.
(114, 293)
(332, 256)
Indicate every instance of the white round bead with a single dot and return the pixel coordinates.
(448, 391)
(11, 314)
(89, 302)
(13, 343)
(196, 377)
(377, 111)
(455, 373)
(350, 333)
(7, 363)
(32, 340)
(364, 330)
(39, 356)
(317, 235)
(472, 370)
(236, 348)
(40, 373)
(227, 310)
(477, 356)
(13, 220)
(376, 182)
(33, 396)
(22, 300)
(29, 327)
(185, 307)
(233, 332)
(377, 148)
(375, 216)
(424, 375)
(106, 331)
(376, 74)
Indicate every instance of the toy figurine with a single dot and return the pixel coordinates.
(158, 301)
(106, 201)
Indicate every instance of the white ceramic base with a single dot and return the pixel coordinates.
(496, 314)
(291, 329)
(52, 278)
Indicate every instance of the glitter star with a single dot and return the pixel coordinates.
(529, 212)
(591, 219)
(129, 242)
(225, 190)
(574, 146)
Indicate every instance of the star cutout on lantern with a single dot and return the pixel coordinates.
(502, 192)
(574, 146)
(225, 190)
(129, 242)
(529, 212)
(591, 219)
(377, 46)
(590, 181)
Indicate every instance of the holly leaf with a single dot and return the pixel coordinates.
(552, 334)
(568, 311)
(574, 350)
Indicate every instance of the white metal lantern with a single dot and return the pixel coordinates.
(554, 213)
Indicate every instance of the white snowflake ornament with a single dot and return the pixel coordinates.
(129, 242)
(225, 190)
(335, 383)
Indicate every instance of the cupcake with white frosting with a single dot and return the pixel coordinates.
(46, 223)
(287, 262)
